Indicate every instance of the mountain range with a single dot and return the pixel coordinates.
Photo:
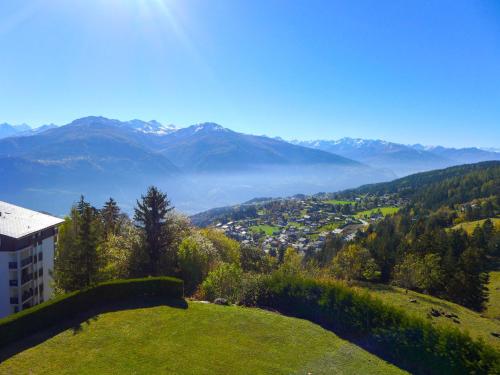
(399, 158)
(201, 166)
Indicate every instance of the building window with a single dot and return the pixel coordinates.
(40, 288)
(40, 256)
(40, 272)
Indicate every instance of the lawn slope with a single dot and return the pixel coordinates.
(478, 325)
(202, 339)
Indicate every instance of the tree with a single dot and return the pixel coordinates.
(151, 217)
(227, 248)
(77, 261)
(197, 256)
(292, 262)
(121, 253)
(419, 273)
(254, 259)
(110, 215)
(88, 236)
(354, 262)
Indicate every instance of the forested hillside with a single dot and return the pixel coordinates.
(423, 247)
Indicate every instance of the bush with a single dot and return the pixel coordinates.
(223, 282)
(197, 256)
(52, 312)
(413, 342)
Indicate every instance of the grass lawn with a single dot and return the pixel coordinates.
(295, 224)
(469, 226)
(202, 339)
(493, 307)
(385, 211)
(330, 227)
(477, 324)
(335, 201)
(267, 229)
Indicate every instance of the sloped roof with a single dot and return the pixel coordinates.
(17, 222)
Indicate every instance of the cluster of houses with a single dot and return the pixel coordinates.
(300, 223)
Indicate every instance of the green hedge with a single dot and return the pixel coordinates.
(407, 340)
(54, 311)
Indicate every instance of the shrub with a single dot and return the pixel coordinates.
(223, 282)
(197, 257)
(52, 312)
(412, 342)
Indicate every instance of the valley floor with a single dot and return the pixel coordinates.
(199, 339)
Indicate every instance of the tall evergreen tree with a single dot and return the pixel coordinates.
(76, 264)
(151, 216)
(110, 215)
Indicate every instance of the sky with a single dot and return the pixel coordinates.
(410, 71)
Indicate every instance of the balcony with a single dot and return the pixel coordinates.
(12, 265)
(13, 282)
(26, 261)
(26, 278)
(27, 295)
(14, 300)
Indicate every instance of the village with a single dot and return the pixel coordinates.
(305, 222)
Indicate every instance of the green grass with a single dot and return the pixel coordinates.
(267, 229)
(330, 227)
(493, 307)
(335, 201)
(469, 226)
(295, 224)
(202, 339)
(478, 325)
(385, 211)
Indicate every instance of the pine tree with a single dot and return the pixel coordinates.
(110, 215)
(76, 264)
(151, 216)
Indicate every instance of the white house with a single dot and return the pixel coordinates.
(27, 244)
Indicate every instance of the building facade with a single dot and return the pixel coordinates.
(27, 244)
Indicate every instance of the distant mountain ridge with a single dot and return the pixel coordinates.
(402, 159)
(202, 166)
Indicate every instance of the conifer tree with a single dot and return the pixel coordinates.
(151, 217)
(110, 215)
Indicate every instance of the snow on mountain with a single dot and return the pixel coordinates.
(150, 127)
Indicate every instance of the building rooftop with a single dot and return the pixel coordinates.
(17, 222)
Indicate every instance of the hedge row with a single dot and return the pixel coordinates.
(54, 311)
(412, 342)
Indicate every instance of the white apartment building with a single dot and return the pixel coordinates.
(27, 244)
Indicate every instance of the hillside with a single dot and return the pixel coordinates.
(448, 186)
(478, 325)
(202, 339)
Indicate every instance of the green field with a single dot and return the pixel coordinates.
(335, 201)
(385, 211)
(476, 324)
(199, 339)
(267, 229)
(493, 307)
(330, 227)
(469, 226)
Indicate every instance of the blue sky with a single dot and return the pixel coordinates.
(405, 71)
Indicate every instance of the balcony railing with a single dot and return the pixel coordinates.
(13, 282)
(27, 295)
(26, 261)
(14, 300)
(26, 278)
(12, 265)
